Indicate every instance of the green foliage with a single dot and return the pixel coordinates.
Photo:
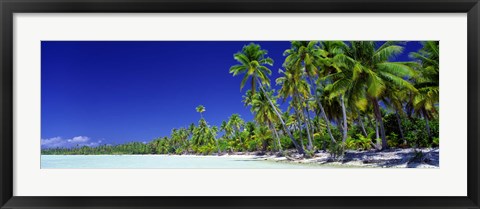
(435, 142)
(393, 140)
(179, 151)
(203, 134)
(286, 142)
(337, 150)
(223, 145)
(360, 142)
(253, 145)
(391, 124)
(206, 149)
(416, 132)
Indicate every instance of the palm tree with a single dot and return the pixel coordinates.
(305, 54)
(374, 73)
(264, 114)
(200, 109)
(262, 134)
(289, 119)
(214, 131)
(253, 63)
(179, 138)
(427, 81)
(336, 70)
(292, 85)
(428, 56)
(248, 97)
(202, 135)
(191, 127)
(395, 99)
(301, 56)
(226, 129)
(235, 122)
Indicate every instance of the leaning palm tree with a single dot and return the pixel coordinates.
(301, 56)
(264, 114)
(336, 71)
(292, 85)
(304, 55)
(200, 109)
(253, 63)
(374, 73)
(248, 99)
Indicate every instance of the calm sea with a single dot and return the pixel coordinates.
(161, 161)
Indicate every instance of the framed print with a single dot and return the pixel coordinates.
(266, 104)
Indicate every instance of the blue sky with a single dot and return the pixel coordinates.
(112, 92)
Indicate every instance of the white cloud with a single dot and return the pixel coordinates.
(67, 143)
(78, 139)
(53, 142)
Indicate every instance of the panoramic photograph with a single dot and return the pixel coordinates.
(314, 104)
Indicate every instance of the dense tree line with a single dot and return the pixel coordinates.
(340, 95)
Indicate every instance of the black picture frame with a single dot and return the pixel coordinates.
(9, 7)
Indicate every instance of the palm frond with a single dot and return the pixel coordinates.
(395, 68)
(384, 54)
(375, 85)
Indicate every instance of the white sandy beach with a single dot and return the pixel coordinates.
(396, 158)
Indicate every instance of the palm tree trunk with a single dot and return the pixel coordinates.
(378, 116)
(278, 138)
(301, 139)
(264, 145)
(299, 149)
(377, 134)
(296, 100)
(310, 122)
(275, 148)
(344, 112)
(299, 125)
(369, 119)
(399, 122)
(218, 147)
(360, 121)
(307, 124)
(310, 126)
(236, 135)
(327, 122)
(427, 123)
(322, 111)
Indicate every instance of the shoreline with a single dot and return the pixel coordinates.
(394, 158)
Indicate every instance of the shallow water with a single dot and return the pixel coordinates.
(161, 161)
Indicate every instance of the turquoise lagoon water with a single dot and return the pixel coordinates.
(160, 161)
